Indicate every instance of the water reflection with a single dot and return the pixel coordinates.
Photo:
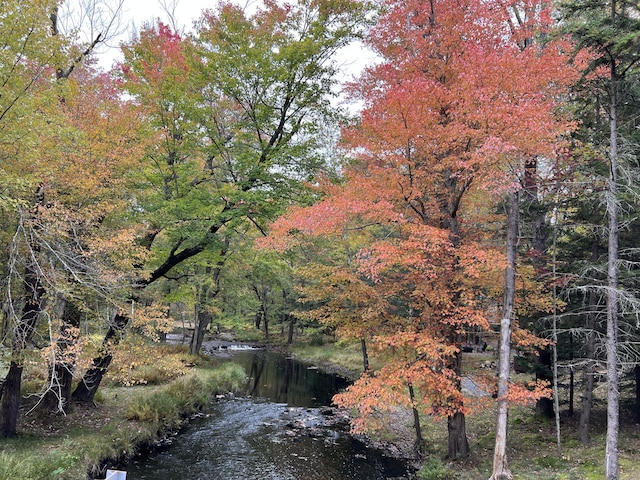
(285, 380)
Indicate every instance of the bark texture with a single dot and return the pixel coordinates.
(500, 465)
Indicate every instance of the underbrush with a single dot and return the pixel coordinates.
(141, 363)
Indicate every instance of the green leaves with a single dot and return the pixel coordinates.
(233, 116)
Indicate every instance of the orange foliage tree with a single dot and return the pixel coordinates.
(449, 114)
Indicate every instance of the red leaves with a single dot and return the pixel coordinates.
(451, 111)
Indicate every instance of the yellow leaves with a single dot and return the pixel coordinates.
(119, 252)
(533, 295)
(64, 346)
(136, 362)
(152, 320)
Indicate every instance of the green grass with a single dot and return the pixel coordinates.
(126, 418)
(532, 450)
(346, 357)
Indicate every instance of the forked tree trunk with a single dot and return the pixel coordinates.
(202, 322)
(500, 465)
(24, 328)
(88, 386)
(203, 316)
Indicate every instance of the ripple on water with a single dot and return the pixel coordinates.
(245, 439)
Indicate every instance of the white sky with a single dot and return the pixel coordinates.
(136, 13)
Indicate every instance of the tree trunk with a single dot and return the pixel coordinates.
(416, 419)
(258, 320)
(24, 328)
(292, 324)
(500, 466)
(611, 450)
(61, 372)
(571, 378)
(266, 327)
(636, 372)
(203, 320)
(458, 445)
(365, 356)
(589, 367)
(544, 405)
(88, 386)
(203, 316)
(10, 406)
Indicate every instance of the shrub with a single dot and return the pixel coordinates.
(433, 470)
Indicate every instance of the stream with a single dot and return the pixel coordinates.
(281, 430)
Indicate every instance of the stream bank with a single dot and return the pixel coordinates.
(282, 425)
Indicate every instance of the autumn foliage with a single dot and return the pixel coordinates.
(456, 105)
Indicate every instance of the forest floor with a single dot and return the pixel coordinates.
(532, 445)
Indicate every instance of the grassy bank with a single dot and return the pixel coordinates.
(124, 420)
(532, 450)
(164, 392)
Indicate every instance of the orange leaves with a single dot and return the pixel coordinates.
(374, 394)
(450, 113)
(528, 393)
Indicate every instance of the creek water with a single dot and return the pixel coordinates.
(278, 431)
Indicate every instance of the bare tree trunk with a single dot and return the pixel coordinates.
(613, 398)
(500, 465)
(556, 393)
(571, 410)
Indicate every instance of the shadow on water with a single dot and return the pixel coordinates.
(279, 432)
